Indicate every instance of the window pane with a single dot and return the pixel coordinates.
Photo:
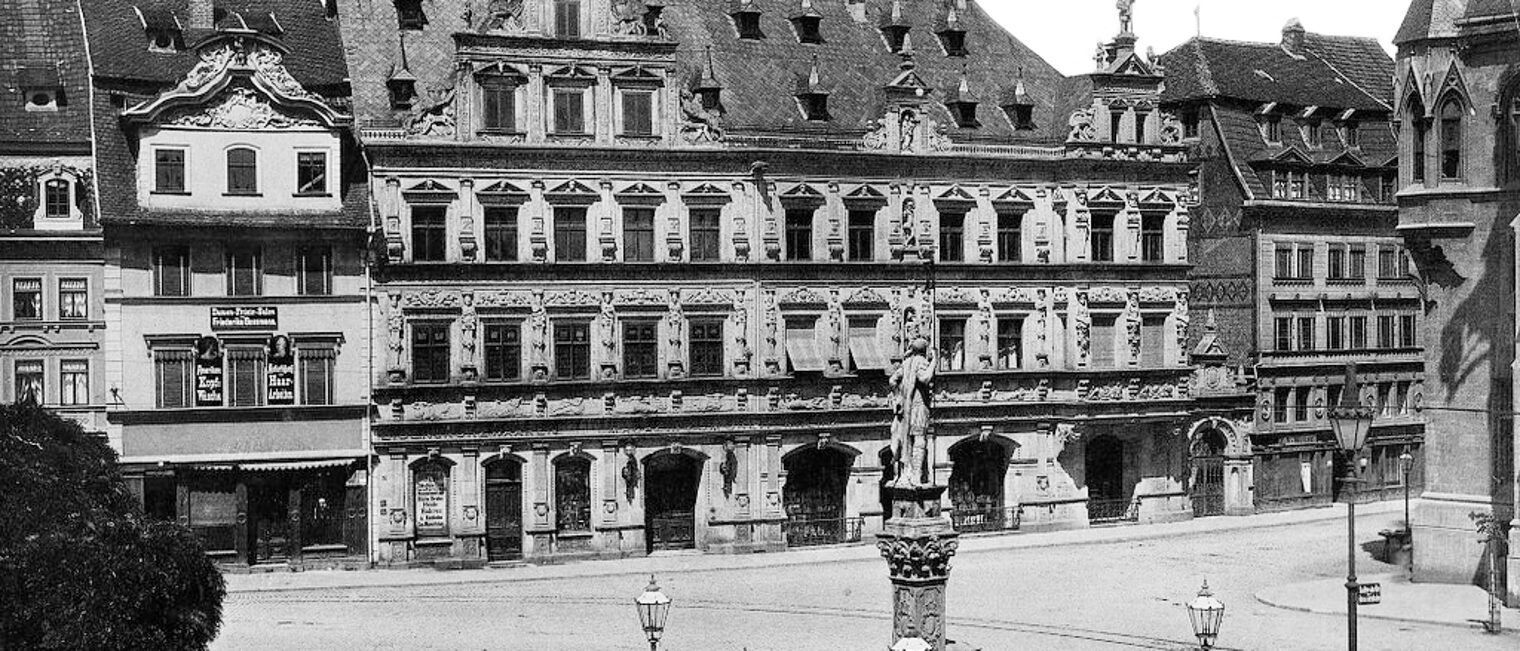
(245, 272)
(572, 494)
(246, 376)
(429, 233)
(314, 270)
(316, 375)
(640, 350)
(1152, 237)
(706, 234)
(569, 114)
(430, 352)
(862, 234)
(952, 344)
(1010, 238)
(26, 298)
(567, 18)
(1103, 237)
(242, 171)
(55, 198)
(74, 382)
(569, 234)
(638, 113)
(169, 170)
(173, 369)
(707, 348)
(73, 298)
(503, 351)
(1010, 340)
(952, 235)
(501, 234)
(171, 271)
(500, 105)
(29, 381)
(799, 234)
(311, 173)
(572, 351)
(638, 234)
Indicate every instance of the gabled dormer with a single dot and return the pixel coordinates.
(1018, 106)
(812, 98)
(894, 28)
(163, 30)
(746, 17)
(952, 36)
(962, 103)
(708, 89)
(807, 23)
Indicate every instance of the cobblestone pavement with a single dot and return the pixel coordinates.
(1100, 595)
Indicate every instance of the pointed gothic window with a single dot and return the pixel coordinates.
(1420, 133)
(1451, 139)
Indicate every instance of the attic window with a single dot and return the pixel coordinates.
(1313, 135)
(409, 14)
(42, 99)
(808, 29)
(165, 41)
(1272, 128)
(1021, 115)
(403, 93)
(41, 86)
(895, 35)
(965, 114)
(747, 22)
(815, 106)
(1190, 123)
(954, 42)
(1351, 135)
(712, 99)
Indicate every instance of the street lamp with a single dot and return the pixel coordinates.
(1206, 613)
(1406, 464)
(1351, 421)
(653, 606)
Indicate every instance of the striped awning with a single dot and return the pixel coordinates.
(803, 350)
(866, 350)
(275, 466)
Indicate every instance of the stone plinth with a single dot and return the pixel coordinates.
(918, 542)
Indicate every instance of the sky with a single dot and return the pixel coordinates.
(1066, 32)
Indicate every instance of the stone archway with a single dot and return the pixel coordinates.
(817, 478)
(978, 474)
(1220, 476)
(671, 485)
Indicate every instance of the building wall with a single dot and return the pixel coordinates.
(206, 175)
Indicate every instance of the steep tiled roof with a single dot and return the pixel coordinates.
(119, 45)
(1434, 19)
(759, 76)
(1489, 8)
(40, 42)
(1333, 71)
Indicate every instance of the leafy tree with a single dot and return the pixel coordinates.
(80, 567)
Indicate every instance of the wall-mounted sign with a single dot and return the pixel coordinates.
(251, 317)
(432, 497)
(208, 372)
(281, 375)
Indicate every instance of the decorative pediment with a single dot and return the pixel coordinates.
(1014, 196)
(706, 194)
(573, 72)
(501, 69)
(572, 187)
(709, 297)
(955, 194)
(429, 191)
(802, 194)
(636, 73)
(1453, 83)
(1291, 155)
(1413, 91)
(502, 192)
(240, 83)
(1348, 158)
(1132, 65)
(865, 196)
(1106, 195)
(866, 296)
(1157, 198)
(802, 296)
(640, 190)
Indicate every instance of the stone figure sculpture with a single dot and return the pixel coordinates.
(503, 15)
(698, 124)
(912, 391)
(1126, 16)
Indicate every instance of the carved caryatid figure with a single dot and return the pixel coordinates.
(396, 324)
(503, 15)
(468, 322)
(912, 387)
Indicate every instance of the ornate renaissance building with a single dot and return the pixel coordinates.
(647, 268)
(237, 347)
(1296, 255)
(1458, 106)
(51, 315)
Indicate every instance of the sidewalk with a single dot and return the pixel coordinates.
(695, 561)
(1464, 606)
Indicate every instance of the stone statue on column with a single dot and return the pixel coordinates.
(912, 387)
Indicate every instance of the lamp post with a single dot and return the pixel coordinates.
(1351, 421)
(1406, 464)
(1206, 614)
(653, 606)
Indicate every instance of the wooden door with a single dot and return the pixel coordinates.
(504, 511)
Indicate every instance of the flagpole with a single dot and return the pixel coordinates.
(1198, 18)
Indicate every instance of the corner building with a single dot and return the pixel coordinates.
(647, 270)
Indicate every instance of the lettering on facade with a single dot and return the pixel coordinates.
(280, 377)
(432, 501)
(251, 317)
(208, 372)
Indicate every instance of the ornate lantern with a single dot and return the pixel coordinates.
(1206, 613)
(653, 606)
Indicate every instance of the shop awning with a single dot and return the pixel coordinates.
(866, 350)
(802, 348)
(274, 466)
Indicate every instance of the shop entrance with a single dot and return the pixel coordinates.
(269, 520)
(670, 501)
(814, 497)
(504, 510)
(976, 486)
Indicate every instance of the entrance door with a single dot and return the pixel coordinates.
(269, 520)
(670, 501)
(1207, 488)
(976, 487)
(504, 510)
(1108, 497)
(814, 498)
(355, 521)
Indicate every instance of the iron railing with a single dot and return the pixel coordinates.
(808, 532)
(1120, 510)
(977, 520)
(1207, 504)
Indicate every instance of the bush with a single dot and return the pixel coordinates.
(80, 567)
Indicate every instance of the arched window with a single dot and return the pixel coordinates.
(1451, 139)
(242, 171)
(1420, 129)
(572, 494)
(55, 195)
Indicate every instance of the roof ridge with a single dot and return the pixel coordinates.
(1347, 78)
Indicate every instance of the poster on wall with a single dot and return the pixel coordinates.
(245, 317)
(281, 374)
(208, 372)
(432, 501)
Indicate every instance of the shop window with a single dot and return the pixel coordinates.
(29, 381)
(638, 234)
(799, 233)
(314, 270)
(1102, 236)
(311, 173)
(572, 351)
(26, 299)
(169, 171)
(641, 349)
(569, 111)
(245, 376)
(430, 498)
(706, 234)
(242, 171)
(1010, 236)
(429, 233)
(322, 510)
(74, 382)
(174, 378)
(55, 198)
(1010, 338)
(501, 233)
(316, 368)
(569, 234)
(430, 352)
(638, 113)
(952, 236)
(952, 344)
(73, 298)
(1451, 139)
(572, 494)
(706, 348)
(862, 235)
(503, 352)
(245, 271)
(498, 105)
(567, 18)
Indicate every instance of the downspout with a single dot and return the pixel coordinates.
(371, 508)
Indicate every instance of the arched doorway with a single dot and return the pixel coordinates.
(1207, 477)
(670, 500)
(976, 486)
(504, 509)
(814, 497)
(1107, 495)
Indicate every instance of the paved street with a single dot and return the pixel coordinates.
(1076, 595)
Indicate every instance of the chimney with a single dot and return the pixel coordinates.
(202, 14)
(1293, 37)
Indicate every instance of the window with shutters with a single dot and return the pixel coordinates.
(1010, 236)
(569, 111)
(862, 235)
(952, 236)
(567, 18)
(1010, 338)
(952, 344)
(430, 352)
(503, 352)
(314, 270)
(641, 349)
(169, 171)
(569, 234)
(501, 233)
(171, 271)
(316, 369)
(1102, 236)
(706, 234)
(311, 173)
(245, 376)
(174, 377)
(242, 171)
(638, 112)
(245, 271)
(799, 233)
(26, 299)
(29, 381)
(73, 382)
(638, 234)
(73, 298)
(706, 348)
(429, 233)
(572, 351)
(498, 104)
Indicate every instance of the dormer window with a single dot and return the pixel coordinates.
(808, 28)
(42, 99)
(55, 198)
(403, 92)
(1021, 116)
(164, 41)
(953, 39)
(962, 104)
(41, 87)
(1272, 126)
(1313, 136)
(747, 22)
(895, 36)
(1190, 122)
(1351, 135)
(815, 106)
(409, 14)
